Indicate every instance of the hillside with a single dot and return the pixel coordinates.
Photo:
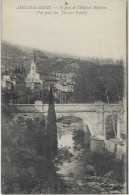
(19, 56)
(93, 77)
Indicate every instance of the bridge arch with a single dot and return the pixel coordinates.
(85, 127)
(85, 122)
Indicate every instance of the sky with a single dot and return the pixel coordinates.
(101, 33)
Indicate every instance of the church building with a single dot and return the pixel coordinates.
(33, 78)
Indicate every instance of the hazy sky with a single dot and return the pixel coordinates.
(100, 33)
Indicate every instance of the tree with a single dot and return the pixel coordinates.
(28, 95)
(90, 79)
(51, 126)
(22, 70)
(5, 97)
(18, 70)
(8, 95)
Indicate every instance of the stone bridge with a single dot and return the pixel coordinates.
(93, 115)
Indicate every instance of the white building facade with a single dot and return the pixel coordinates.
(33, 77)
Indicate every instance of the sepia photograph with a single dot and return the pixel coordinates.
(64, 97)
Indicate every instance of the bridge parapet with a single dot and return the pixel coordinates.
(62, 108)
(83, 107)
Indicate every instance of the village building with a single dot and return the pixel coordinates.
(64, 91)
(9, 85)
(16, 87)
(8, 80)
(5, 78)
(66, 87)
(33, 79)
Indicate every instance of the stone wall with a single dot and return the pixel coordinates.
(116, 148)
(96, 145)
(100, 144)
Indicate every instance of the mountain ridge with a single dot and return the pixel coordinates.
(30, 50)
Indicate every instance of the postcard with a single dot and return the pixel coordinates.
(64, 97)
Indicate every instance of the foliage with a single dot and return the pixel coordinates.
(97, 83)
(8, 95)
(23, 150)
(28, 149)
(105, 162)
(51, 126)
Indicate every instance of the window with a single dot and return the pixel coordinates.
(32, 67)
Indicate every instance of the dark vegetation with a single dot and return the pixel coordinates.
(51, 126)
(100, 83)
(7, 95)
(63, 155)
(28, 149)
(78, 137)
(105, 162)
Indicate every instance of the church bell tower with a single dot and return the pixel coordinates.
(33, 65)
